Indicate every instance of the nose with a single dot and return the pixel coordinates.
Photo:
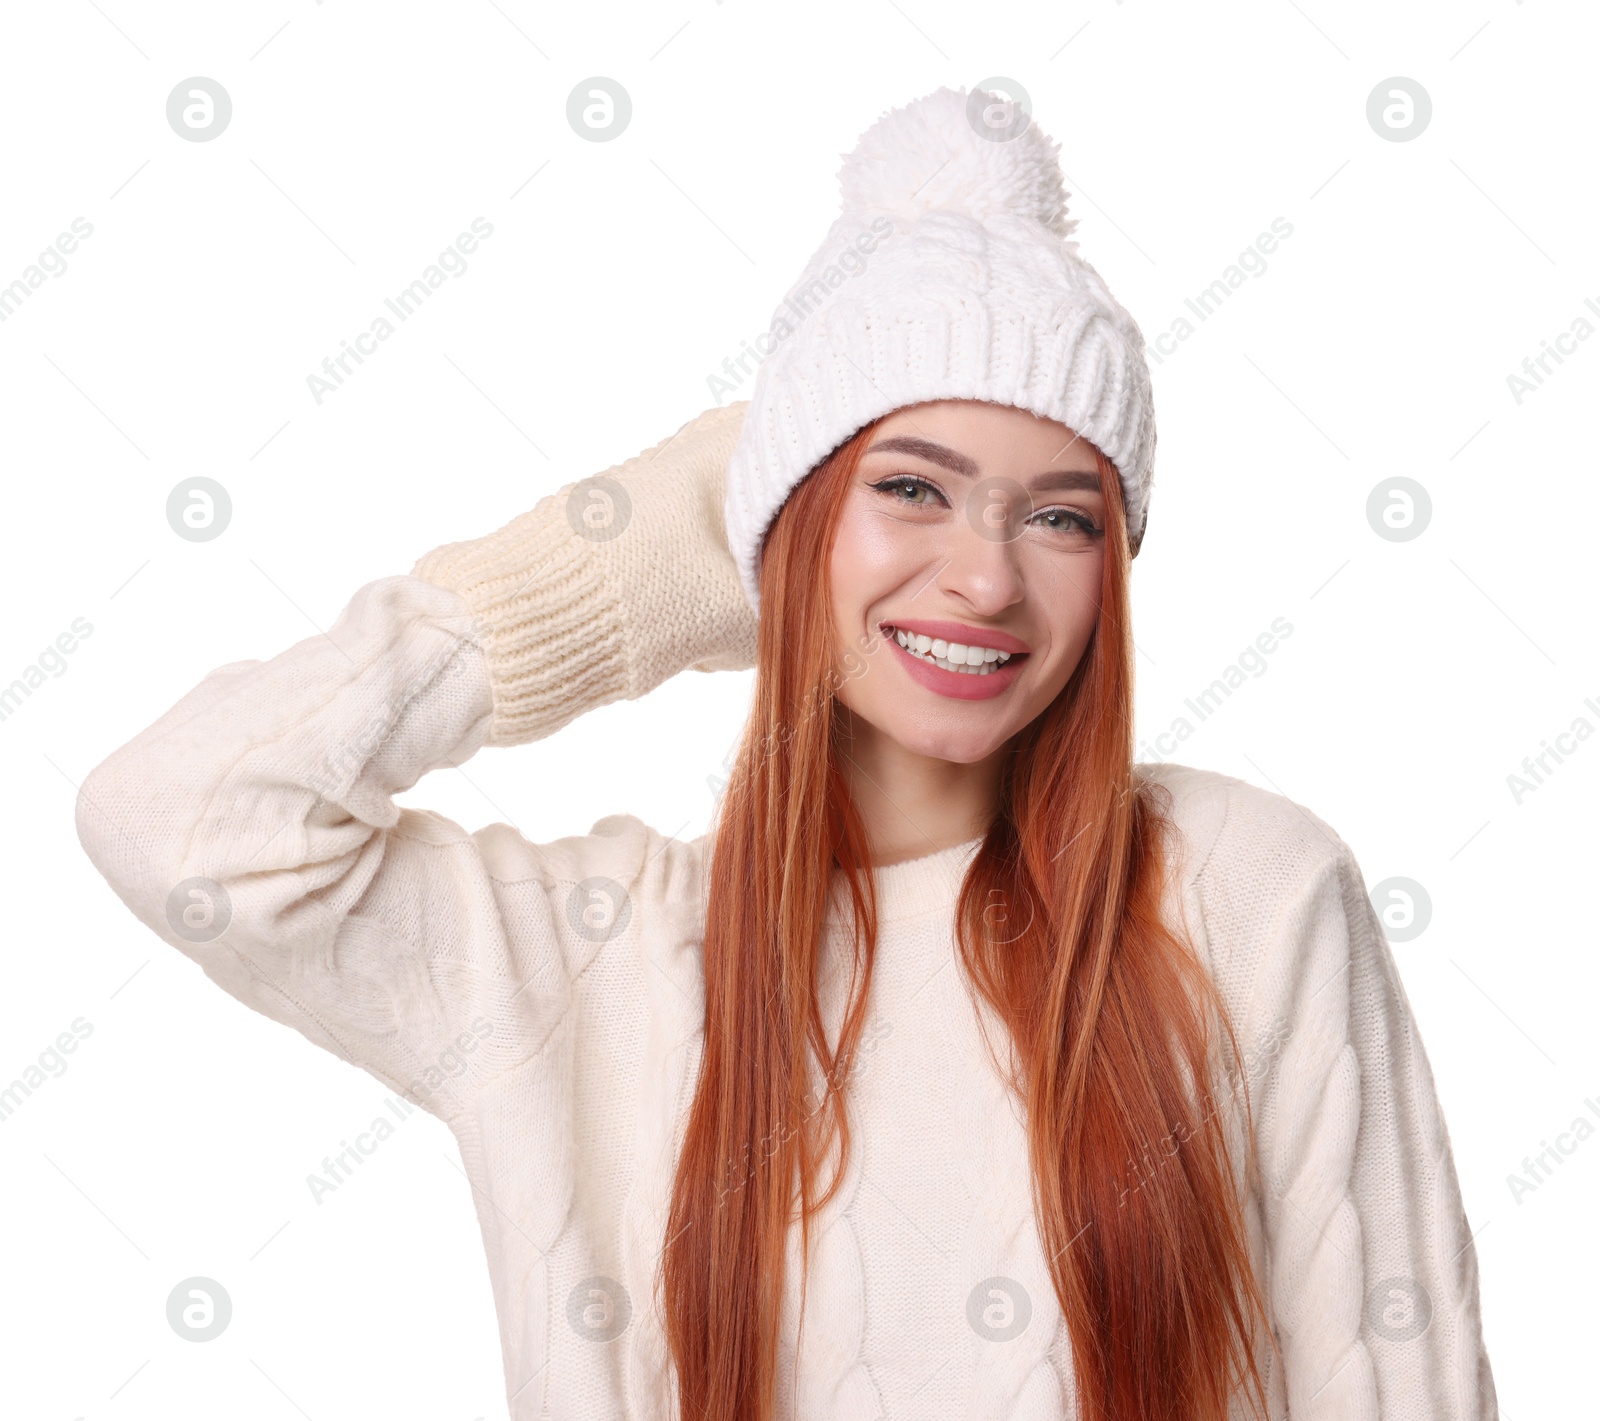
(983, 566)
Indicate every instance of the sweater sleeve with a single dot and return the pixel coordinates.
(626, 578)
(253, 826)
(1373, 1274)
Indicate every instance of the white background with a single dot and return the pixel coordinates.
(363, 139)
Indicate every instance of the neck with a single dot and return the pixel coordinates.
(914, 804)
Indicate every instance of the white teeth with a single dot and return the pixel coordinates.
(952, 656)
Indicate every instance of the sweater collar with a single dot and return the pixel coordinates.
(916, 886)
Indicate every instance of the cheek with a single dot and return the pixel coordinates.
(1072, 591)
(871, 556)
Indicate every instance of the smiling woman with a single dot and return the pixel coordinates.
(956, 456)
(947, 521)
(966, 1067)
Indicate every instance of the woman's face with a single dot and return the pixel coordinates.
(968, 525)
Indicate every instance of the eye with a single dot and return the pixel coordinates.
(1069, 522)
(908, 484)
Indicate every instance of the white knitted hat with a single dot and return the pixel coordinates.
(947, 275)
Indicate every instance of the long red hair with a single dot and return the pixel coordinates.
(1110, 1012)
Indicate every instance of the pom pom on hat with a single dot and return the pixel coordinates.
(930, 156)
(948, 274)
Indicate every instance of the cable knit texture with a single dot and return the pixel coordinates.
(393, 938)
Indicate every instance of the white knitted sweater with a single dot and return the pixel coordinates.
(509, 989)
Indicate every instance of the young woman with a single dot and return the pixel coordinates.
(965, 1067)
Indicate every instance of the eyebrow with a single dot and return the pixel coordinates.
(959, 463)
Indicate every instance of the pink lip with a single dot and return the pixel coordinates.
(954, 684)
(965, 636)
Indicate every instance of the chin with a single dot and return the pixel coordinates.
(958, 749)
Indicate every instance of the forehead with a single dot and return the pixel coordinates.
(985, 439)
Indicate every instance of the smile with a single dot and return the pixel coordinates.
(952, 656)
(953, 669)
